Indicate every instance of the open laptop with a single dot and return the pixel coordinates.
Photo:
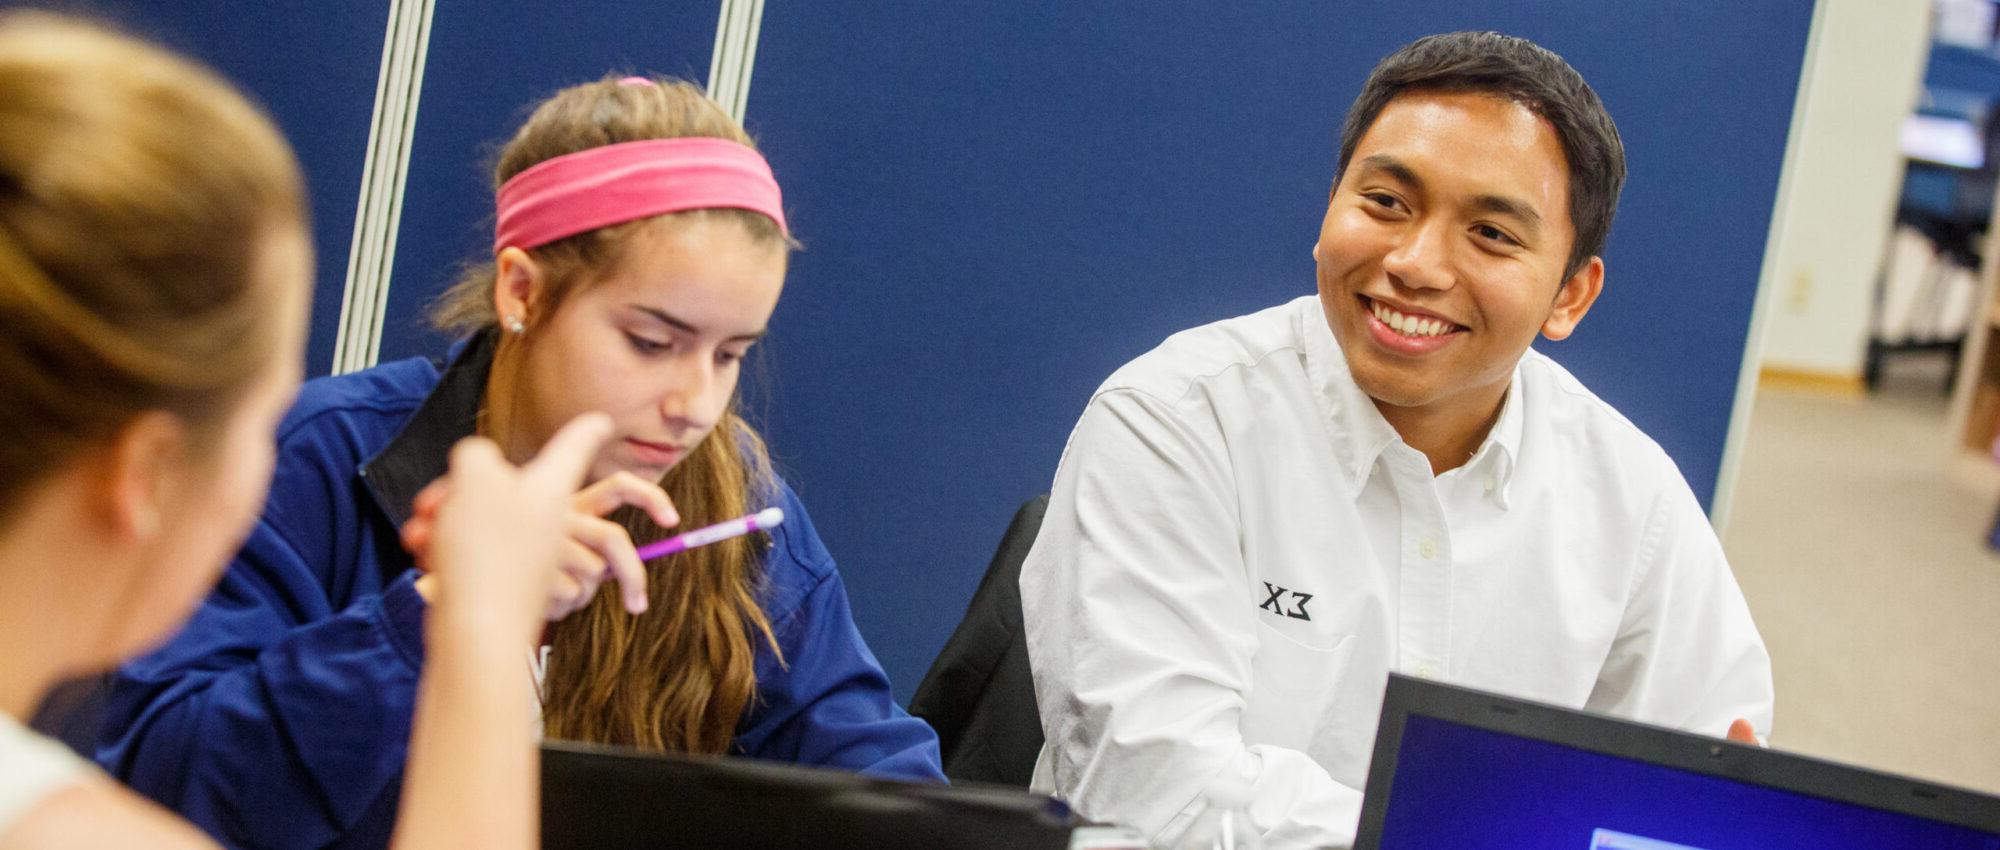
(1460, 768)
(602, 797)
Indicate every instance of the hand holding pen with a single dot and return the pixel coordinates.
(598, 548)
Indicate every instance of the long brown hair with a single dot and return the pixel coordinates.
(679, 677)
(129, 245)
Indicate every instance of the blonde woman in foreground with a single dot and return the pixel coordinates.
(154, 277)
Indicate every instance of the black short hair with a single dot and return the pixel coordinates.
(1527, 73)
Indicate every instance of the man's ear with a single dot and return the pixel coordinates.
(134, 479)
(518, 284)
(1574, 299)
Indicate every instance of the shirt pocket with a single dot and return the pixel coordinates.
(1292, 684)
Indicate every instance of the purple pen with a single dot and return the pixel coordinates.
(765, 519)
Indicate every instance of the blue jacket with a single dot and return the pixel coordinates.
(280, 716)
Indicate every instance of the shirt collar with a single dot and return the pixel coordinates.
(1497, 458)
(1361, 435)
(1359, 432)
(421, 452)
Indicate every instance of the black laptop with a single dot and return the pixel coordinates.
(1461, 768)
(600, 797)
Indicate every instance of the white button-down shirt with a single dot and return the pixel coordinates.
(1239, 548)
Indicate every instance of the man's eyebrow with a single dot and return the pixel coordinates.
(1515, 208)
(1393, 167)
(685, 326)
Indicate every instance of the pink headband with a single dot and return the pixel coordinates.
(617, 183)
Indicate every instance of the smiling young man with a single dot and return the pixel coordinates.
(1256, 522)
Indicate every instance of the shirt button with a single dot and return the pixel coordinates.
(1492, 484)
(1427, 549)
(1425, 671)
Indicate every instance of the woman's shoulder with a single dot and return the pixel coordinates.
(99, 813)
(340, 420)
(51, 797)
(37, 767)
(796, 545)
(381, 396)
(798, 562)
(335, 425)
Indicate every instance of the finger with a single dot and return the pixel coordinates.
(417, 537)
(584, 567)
(580, 561)
(567, 454)
(631, 575)
(587, 583)
(426, 587)
(417, 532)
(475, 456)
(474, 466)
(615, 552)
(563, 596)
(624, 488)
(428, 499)
(1743, 733)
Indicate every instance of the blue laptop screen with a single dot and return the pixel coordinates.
(1461, 786)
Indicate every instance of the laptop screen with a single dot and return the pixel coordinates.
(1466, 784)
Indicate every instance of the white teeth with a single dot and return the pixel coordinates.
(1409, 325)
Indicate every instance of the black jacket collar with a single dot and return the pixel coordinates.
(420, 453)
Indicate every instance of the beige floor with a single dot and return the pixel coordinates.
(1858, 536)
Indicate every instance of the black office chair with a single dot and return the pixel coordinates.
(979, 694)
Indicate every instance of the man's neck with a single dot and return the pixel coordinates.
(1448, 432)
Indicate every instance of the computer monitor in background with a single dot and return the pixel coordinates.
(1460, 768)
(1943, 140)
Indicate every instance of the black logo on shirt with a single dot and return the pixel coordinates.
(1276, 602)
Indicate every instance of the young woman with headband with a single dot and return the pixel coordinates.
(639, 251)
(154, 298)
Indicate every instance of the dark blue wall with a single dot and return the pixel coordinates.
(1002, 202)
(312, 64)
(490, 62)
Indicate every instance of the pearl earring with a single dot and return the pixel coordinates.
(514, 326)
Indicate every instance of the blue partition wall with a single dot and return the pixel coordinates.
(312, 65)
(490, 62)
(1002, 202)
